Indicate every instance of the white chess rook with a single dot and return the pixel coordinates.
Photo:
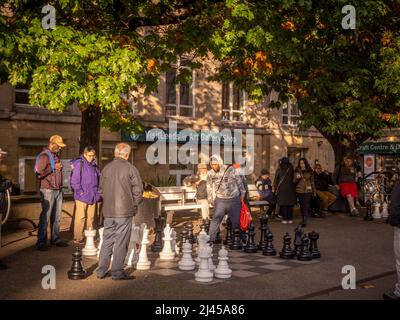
(376, 214)
(187, 262)
(223, 271)
(167, 253)
(144, 263)
(90, 248)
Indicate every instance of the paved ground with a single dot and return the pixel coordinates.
(343, 241)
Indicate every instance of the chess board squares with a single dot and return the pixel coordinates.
(275, 267)
(166, 272)
(244, 273)
(304, 262)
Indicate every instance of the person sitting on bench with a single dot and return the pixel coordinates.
(264, 187)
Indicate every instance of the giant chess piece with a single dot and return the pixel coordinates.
(305, 254)
(167, 253)
(204, 274)
(315, 253)
(287, 252)
(228, 239)
(218, 239)
(158, 244)
(223, 271)
(377, 213)
(250, 246)
(187, 262)
(132, 255)
(175, 246)
(264, 229)
(269, 249)
(76, 272)
(183, 237)
(237, 241)
(368, 212)
(211, 265)
(298, 234)
(207, 223)
(90, 248)
(189, 227)
(143, 262)
(385, 212)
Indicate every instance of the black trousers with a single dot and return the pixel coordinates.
(286, 212)
(304, 201)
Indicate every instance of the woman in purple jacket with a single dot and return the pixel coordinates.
(85, 184)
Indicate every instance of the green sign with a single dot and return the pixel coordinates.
(380, 148)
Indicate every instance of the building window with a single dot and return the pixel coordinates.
(290, 114)
(22, 96)
(233, 102)
(295, 154)
(179, 100)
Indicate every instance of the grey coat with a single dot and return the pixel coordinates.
(286, 190)
(121, 188)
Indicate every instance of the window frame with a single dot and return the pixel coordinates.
(290, 116)
(176, 67)
(231, 110)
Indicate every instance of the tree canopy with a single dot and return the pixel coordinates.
(345, 81)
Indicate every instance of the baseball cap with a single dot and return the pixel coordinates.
(56, 139)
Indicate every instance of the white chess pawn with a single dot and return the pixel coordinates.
(167, 253)
(376, 214)
(223, 271)
(186, 262)
(90, 248)
(204, 274)
(385, 211)
(144, 263)
(132, 251)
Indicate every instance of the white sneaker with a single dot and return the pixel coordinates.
(290, 221)
(284, 222)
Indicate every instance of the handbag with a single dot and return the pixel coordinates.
(245, 217)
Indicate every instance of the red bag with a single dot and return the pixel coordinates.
(245, 217)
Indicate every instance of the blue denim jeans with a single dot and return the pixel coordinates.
(51, 201)
(231, 207)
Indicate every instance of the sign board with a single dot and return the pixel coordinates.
(369, 165)
(380, 148)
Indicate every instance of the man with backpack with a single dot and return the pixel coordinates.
(48, 170)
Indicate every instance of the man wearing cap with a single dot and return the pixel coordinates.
(2, 265)
(48, 169)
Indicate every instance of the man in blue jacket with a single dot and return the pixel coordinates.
(394, 220)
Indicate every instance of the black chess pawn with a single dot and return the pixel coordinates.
(76, 272)
(298, 234)
(269, 249)
(228, 239)
(250, 246)
(305, 254)
(158, 242)
(368, 211)
(287, 252)
(264, 230)
(315, 253)
(191, 237)
(237, 241)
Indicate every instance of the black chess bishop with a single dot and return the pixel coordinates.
(298, 234)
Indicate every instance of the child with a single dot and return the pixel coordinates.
(264, 186)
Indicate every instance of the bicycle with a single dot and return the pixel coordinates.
(5, 200)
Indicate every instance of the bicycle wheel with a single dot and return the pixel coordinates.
(6, 208)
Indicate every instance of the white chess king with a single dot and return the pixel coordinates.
(90, 248)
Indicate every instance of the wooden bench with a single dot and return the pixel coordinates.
(177, 199)
(253, 193)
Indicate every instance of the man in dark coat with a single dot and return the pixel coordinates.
(394, 220)
(121, 188)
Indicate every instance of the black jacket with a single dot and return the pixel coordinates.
(121, 188)
(394, 208)
(285, 188)
(322, 181)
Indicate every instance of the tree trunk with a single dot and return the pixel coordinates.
(342, 146)
(90, 129)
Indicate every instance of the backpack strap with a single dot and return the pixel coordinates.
(51, 159)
